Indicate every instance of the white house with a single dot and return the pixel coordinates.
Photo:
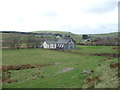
(63, 43)
(49, 45)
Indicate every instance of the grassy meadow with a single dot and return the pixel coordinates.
(57, 75)
(96, 49)
(113, 34)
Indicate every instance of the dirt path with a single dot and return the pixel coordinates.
(66, 70)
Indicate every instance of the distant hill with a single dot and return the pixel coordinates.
(50, 34)
(74, 36)
(54, 32)
(78, 37)
(114, 35)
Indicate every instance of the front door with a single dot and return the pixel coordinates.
(68, 46)
(73, 46)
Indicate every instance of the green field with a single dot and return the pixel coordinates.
(55, 76)
(95, 49)
(113, 34)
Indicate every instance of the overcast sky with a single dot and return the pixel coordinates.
(76, 16)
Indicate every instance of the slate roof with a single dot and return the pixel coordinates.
(51, 42)
(63, 40)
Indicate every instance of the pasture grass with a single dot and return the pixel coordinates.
(49, 76)
(95, 49)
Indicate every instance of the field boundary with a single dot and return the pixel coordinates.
(94, 54)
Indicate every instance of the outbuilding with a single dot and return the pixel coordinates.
(66, 43)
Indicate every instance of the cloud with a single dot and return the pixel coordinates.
(101, 7)
(50, 13)
(82, 16)
(103, 28)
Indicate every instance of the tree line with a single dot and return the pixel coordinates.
(106, 41)
(16, 41)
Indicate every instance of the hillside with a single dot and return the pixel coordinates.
(114, 34)
(54, 32)
(76, 37)
(40, 68)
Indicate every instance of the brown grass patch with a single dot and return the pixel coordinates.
(92, 81)
(9, 81)
(21, 67)
(107, 54)
(115, 65)
(115, 48)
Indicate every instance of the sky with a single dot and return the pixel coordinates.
(76, 16)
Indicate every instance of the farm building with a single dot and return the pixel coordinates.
(66, 43)
(63, 43)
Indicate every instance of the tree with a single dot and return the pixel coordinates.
(37, 42)
(32, 41)
(85, 36)
(12, 41)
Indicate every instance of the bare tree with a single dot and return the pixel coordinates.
(37, 42)
(32, 41)
(12, 41)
